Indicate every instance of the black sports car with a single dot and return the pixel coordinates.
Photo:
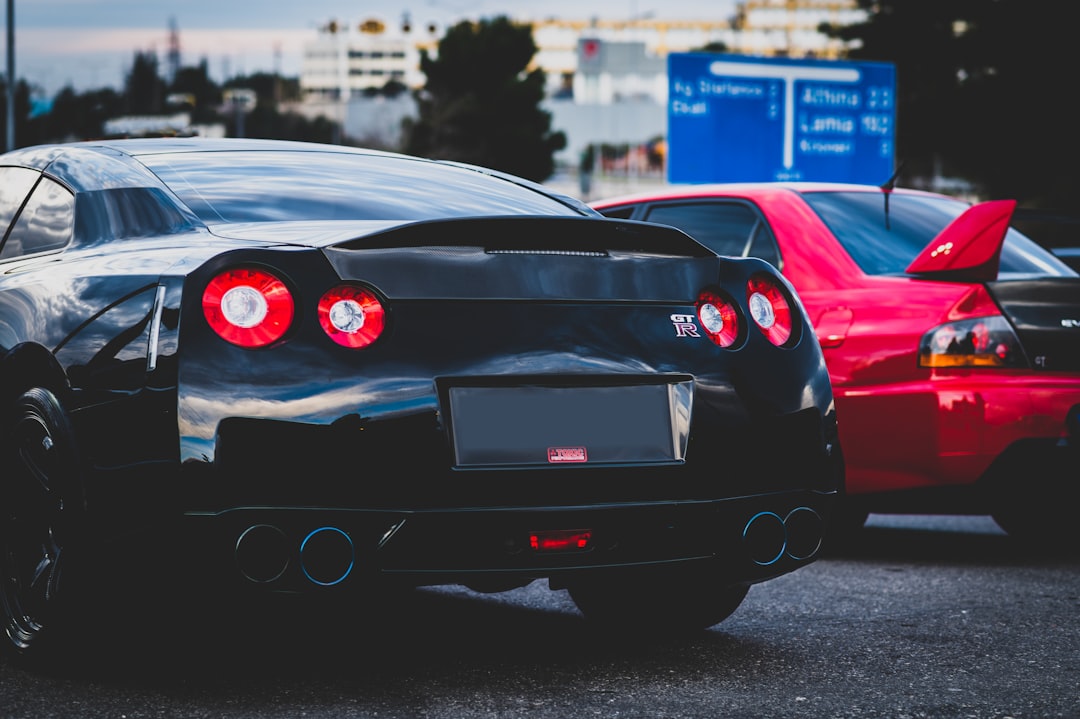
(276, 366)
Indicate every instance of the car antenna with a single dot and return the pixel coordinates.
(887, 188)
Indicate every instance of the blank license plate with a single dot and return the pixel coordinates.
(537, 425)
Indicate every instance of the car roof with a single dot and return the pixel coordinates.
(112, 163)
(155, 145)
(84, 165)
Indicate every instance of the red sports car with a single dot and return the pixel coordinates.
(952, 340)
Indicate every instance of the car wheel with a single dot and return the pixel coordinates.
(667, 601)
(41, 511)
(1030, 497)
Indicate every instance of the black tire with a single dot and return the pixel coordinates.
(42, 509)
(1030, 495)
(665, 601)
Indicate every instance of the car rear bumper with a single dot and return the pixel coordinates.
(303, 549)
(948, 432)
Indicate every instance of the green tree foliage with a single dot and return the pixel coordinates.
(481, 102)
(982, 91)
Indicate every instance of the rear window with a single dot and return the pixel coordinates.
(262, 186)
(883, 238)
(726, 228)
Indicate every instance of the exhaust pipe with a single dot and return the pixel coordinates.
(327, 556)
(805, 530)
(768, 538)
(262, 553)
(765, 537)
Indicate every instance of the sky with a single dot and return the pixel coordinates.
(90, 44)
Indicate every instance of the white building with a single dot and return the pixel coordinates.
(607, 79)
(345, 60)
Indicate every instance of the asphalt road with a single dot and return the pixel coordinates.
(940, 617)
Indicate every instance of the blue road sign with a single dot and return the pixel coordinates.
(734, 118)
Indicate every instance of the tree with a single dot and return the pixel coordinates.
(79, 116)
(144, 89)
(266, 122)
(25, 132)
(206, 95)
(1019, 134)
(980, 91)
(481, 102)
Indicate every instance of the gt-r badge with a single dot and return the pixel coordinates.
(684, 326)
(558, 455)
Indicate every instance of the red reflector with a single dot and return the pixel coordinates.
(561, 540)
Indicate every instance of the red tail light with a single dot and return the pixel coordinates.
(248, 307)
(769, 308)
(561, 540)
(976, 342)
(352, 316)
(718, 318)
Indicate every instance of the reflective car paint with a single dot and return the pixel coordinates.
(305, 464)
(920, 439)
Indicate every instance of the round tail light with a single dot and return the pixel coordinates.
(248, 307)
(352, 316)
(769, 308)
(718, 318)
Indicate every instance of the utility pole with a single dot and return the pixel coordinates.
(174, 50)
(10, 144)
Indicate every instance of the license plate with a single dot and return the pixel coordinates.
(569, 426)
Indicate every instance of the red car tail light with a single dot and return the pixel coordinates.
(977, 342)
(561, 540)
(718, 318)
(352, 316)
(248, 307)
(769, 308)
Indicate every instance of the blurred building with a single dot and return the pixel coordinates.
(346, 60)
(607, 78)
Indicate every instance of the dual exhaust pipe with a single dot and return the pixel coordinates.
(769, 537)
(264, 553)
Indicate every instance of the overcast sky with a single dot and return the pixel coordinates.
(89, 44)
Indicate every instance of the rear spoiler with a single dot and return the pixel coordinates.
(538, 233)
(969, 248)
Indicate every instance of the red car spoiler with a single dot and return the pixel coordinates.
(969, 248)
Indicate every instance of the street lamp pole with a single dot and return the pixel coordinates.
(10, 144)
